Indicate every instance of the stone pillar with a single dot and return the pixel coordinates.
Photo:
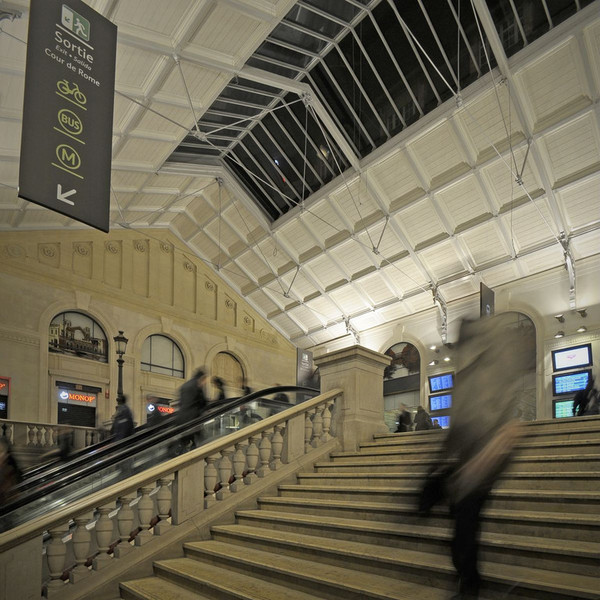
(359, 372)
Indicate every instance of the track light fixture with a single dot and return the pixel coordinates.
(560, 318)
(433, 363)
(582, 313)
(446, 359)
(581, 329)
(559, 334)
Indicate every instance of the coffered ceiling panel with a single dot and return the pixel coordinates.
(420, 222)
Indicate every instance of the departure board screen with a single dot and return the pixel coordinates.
(441, 402)
(439, 383)
(569, 383)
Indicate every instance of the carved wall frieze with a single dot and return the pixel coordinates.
(269, 337)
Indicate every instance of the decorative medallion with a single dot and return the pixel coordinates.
(229, 304)
(48, 251)
(81, 249)
(210, 286)
(166, 248)
(14, 251)
(112, 247)
(188, 266)
(247, 321)
(140, 245)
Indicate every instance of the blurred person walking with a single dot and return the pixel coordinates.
(192, 403)
(492, 355)
(404, 420)
(10, 474)
(422, 420)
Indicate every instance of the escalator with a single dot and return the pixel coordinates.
(57, 484)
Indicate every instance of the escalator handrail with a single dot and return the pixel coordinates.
(121, 451)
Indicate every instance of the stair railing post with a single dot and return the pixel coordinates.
(125, 518)
(264, 450)
(164, 501)
(82, 542)
(224, 473)
(56, 553)
(239, 462)
(145, 510)
(104, 536)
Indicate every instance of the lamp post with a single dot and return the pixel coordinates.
(121, 343)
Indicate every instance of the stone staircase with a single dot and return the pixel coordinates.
(349, 530)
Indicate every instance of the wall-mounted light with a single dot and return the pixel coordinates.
(433, 347)
(560, 318)
(582, 313)
(433, 363)
(559, 334)
(581, 329)
(446, 359)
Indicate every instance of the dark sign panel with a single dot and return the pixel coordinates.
(66, 139)
(486, 300)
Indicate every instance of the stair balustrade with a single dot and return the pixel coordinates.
(96, 533)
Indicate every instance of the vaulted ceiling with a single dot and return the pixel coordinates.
(341, 163)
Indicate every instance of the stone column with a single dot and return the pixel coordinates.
(359, 372)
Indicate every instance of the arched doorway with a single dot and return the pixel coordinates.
(226, 366)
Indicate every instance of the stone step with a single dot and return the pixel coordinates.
(572, 480)
(568, 556)
(190, 579)
(579, 502)
(373, 566)
(573, 462)
(590, 445)
(311, 577)
(559, 525)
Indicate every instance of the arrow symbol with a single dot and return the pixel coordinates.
(63, 197)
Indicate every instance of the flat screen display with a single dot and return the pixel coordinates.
(439, 383)
(563, 408)
(441, 402)
(444, 422)
(570, 383)
(572, 358)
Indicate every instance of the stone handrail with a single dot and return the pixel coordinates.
(94, 532)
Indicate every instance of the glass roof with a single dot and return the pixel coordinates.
(376, 67)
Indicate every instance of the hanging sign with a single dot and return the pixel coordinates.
(66, 139)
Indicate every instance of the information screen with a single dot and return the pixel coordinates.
(439, 383)
(569, 383)
(441, 402)
(443, 421)
(572, 358)
(563, 408)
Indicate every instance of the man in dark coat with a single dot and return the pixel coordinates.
(122, 426)
(192, 402)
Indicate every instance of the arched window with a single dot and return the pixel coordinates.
(78, 334)
(161, 354)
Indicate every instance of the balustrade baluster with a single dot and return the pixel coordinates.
(31, 435)
(277, 446)
(104, 536)
(210, 479)
(252, 459)
(56, 553)
(224, 473)
(264, 452)
(239, 462)
(82, 541)
(325, 436)
(317, 427)
(125, 518)
(164, 501)
(308, 430)
(145, 510)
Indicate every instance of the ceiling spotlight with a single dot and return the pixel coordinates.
(581, 329)
(560, 318)
(559, 334)
(433, 363)
(446, 359)
(433, 347)
(582, 313)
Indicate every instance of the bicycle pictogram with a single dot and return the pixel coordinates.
(72, 91)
